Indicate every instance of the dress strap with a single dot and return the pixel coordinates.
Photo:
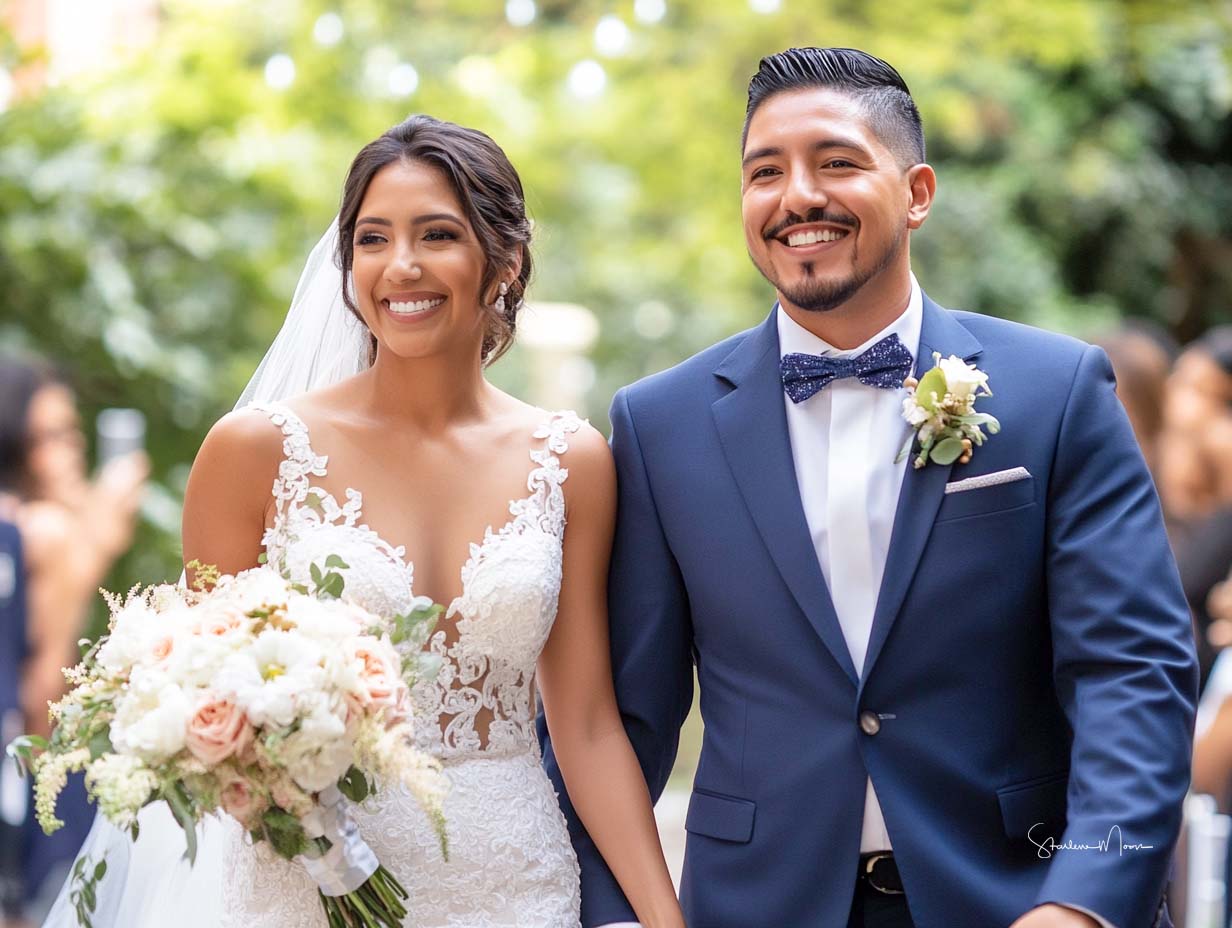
(299, 462)
(545, 481)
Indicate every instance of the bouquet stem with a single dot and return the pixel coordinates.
(379, 903)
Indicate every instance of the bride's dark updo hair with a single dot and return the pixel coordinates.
(487, 187)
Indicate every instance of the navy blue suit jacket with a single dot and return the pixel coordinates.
(13, 646)
(1031, 658)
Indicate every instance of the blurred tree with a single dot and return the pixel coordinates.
(154, 221)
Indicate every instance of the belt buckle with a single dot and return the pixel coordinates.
(869, 865)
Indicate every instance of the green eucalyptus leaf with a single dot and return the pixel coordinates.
(946, 451)
(336, 562)
(100, 743)
(284, 833)
(930, 383)
(354, 785)
(331, 585)
(182, 808)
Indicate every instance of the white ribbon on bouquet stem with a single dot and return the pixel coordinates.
(349, 862)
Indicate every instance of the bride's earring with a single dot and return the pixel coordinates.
(499, 305)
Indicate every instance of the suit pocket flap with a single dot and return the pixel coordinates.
(986, 500)
(1040, 801)
(720, 817)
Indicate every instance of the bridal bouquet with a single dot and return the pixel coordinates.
(265, 699)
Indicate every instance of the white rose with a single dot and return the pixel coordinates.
(962, 380)
(329, 622)
(151, 718)
(259, 585)
(319, 752)
(195, 660)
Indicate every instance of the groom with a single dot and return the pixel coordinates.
(953, 695)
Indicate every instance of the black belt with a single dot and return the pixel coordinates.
(879, 873)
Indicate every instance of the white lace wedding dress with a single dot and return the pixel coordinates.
(510, 860)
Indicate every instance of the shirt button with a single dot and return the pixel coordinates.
(869, 723)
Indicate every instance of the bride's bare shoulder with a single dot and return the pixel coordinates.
(242, 450)
(248, 431)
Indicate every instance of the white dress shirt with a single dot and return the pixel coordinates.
(845, 440)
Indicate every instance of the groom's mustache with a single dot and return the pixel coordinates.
(813, 215)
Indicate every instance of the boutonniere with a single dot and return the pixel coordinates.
(940, 407)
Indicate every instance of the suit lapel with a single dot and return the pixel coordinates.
(922, 490)
(752, 426)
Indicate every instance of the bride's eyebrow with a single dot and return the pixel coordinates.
(437, 217)
(373, 220)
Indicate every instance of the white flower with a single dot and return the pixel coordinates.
(196, 659)
(121, 785)
(962, 380)
(133, 629)
(51, 775)
(151, 717)
(256, 586)
(320, 751)
(915, 414)
(271, 677)
(327, 621)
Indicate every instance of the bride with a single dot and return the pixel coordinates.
(421, 475)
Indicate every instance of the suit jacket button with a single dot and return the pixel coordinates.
(869, 723)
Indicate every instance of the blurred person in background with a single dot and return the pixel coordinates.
(1212, 764)
(72, 529)
(1141, 359)
(13, 800)
(1195, 478)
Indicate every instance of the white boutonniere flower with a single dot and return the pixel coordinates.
(940, 407)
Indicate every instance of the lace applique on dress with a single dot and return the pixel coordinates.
(310, 524)
(484, 693)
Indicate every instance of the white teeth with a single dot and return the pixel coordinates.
(419, 306)
(812, 238)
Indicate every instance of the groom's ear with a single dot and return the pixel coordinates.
(921, 188)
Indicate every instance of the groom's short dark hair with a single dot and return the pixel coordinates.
(879, 89)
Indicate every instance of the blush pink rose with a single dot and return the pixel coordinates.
(380, 680)
(218, 625)
(162, 648)
(242, 800)
(218, 730)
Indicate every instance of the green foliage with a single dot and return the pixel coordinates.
(354, 785)
(181, 804)
(328, 584)
(284, 832)
(155, 221)
(24, 750)
(83, 894)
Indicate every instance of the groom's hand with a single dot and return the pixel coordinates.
(1055, 916)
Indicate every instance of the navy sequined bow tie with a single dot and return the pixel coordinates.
(887, 364)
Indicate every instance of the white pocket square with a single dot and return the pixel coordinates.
(988, 480)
